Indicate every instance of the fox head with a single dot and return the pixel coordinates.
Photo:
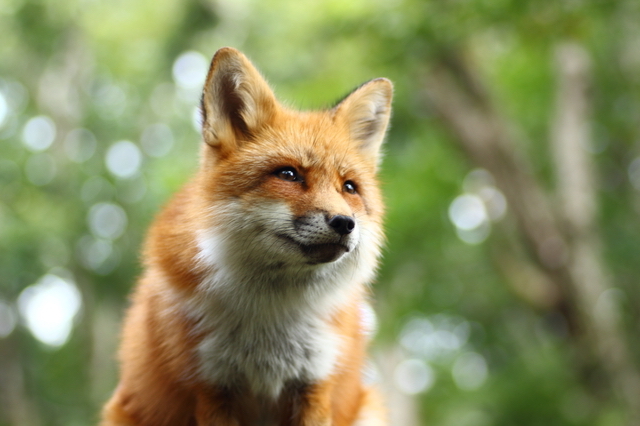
(284, 190)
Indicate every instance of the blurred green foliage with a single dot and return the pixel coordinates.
(110, 67)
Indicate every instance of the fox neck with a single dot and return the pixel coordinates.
(267, 325)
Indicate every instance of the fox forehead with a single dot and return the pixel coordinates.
(311, 142)
(312, 139)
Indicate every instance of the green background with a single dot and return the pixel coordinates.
(488, 355)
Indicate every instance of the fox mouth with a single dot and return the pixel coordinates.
(323, 253)
(319, 253)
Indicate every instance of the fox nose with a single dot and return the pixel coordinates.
(343, 225)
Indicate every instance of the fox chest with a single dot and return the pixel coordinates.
(267, 355)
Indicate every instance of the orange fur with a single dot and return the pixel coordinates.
(249, 311)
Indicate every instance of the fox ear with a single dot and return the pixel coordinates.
(236, 101)
(366, 112)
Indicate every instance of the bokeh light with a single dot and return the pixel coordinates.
(49, 308)
(13, 101)
(157, 140)
(109, 99)
(4, 109)
(97, 254)
(107, 220)
(39, 133)
(123, 159)
(468, 212)
(190, 70)
(80, 145)
(412, 376)
(494, 201)
(435, 337)
(481, 204)
(634, 173)
(470, 371)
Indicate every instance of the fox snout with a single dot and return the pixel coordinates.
(322, 237)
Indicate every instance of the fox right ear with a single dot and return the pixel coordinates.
(366, 112)
(236, 100)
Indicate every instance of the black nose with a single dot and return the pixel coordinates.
(343, 225)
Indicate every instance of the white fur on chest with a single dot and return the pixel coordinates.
(266, 351)
(265, 329)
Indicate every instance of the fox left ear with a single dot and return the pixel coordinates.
(366, 112)
(236, 101)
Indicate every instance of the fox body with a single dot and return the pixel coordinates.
(253, 302)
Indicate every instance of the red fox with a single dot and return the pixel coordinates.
(250, 310)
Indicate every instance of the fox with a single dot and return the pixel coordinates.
(253, 305)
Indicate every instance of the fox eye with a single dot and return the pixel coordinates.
(350, 187)
(289, 174)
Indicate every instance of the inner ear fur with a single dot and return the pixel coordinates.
(366, 112)
(236, 101)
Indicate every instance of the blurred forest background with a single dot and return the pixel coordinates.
(508, 293)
